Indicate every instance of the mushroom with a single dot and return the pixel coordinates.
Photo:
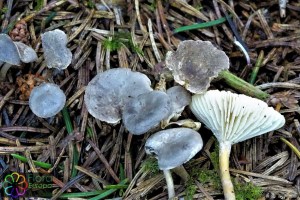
(233, 118)
(56, 54)
(46, 100)
(12, 53)
(146, 111)
(172, 148)
(8, 55)
(26, 53)
(195, 64)
(179, 98)
(108, 92)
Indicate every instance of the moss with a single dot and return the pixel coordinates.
(112, 45)
(243, 191)
(247, 191)
(91, 4)
(151, 165)
(214, 157)
(190, 190)
(3, 10)
(210, 177)
(119, 39)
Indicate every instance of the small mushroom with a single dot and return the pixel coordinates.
(56, 53)
(179, 98)
(13, 54)
(195, 64)
(26, 53)
(46, 100)
(233, 118)
(8, 55)
(172, 148)
(108, 92)
(146, 111)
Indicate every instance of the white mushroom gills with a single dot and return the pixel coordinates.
(172, 148)
(233, 118)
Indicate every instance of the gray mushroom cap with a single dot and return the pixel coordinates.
(179, 98)
(174, 147)
(56, 53)
(8, 51)
(108, 92)
(26, 53)
(46, 100)
(146, 111)
(235, 117)
(195, 64)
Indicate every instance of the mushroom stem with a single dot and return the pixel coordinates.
(241, 85)
(170, 183)
(227, 185)
(4, 70)
(181, 171)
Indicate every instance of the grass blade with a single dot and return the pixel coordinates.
(37, 163)
(69, 128)
(109, 192)
(200, 25)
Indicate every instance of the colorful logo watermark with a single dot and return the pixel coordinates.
(15, 185)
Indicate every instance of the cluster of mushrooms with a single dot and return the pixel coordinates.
(47, 99)
(121, 94)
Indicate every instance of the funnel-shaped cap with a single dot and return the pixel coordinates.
(235, 117)
(174, 147)
(195, 64)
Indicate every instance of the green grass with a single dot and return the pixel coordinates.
(118, 40)
(247, 191)
(37, 163)
(211, 178)
(151, 165)
(69, 128)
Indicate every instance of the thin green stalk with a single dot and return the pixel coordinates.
(81, 194)
(200, 25)
(256, 67)
(37, 163)
(69, 128)
(122, 172)
(242, 86)
(67, 120)
(294, 149)
(116, 186)
(108, 192)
